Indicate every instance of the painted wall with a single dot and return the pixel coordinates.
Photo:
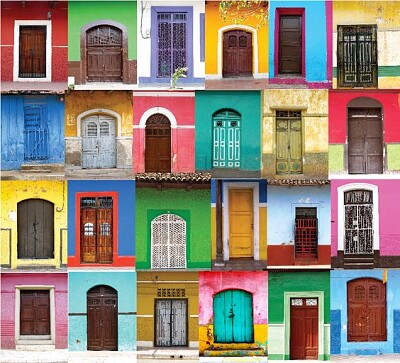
(79, 283)
(13, 10)
(338, 101)
(316, 46)
(12, 124)
(10, 280)
(313, 105)
(339, 343)
(124, 255)
(381, 14)
(216, 26)
(179, 108)
(210, 283)
(193, 206)
(282, 204)
(389, 195)
(15, 191)
(148, 287)
(247, 104)
(147, 35)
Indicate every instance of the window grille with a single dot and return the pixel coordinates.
(104, 36)
(306, 232)
(171, 292)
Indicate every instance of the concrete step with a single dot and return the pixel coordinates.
(234, 352)
(35, 346)
(42, 168)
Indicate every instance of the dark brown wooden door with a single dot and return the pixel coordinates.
(158, 144)
(237, 58)
(366, 310)
(365, 141)
(102, 310)
(304, 328)
(104, 54)
(35, 312)
(35, 226)
(290, 45)
(32, 52)
(96, 230)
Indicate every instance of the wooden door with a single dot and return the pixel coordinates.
(102, 310)
(32, 52)
(306, 232)
(237, 57)
(241, 223)
(104, 54)
(233, 317)
(171, 322)
(96, 230)
(290, 45)
(35, 226)
(365, 138)
(303, 328)
(158, 144)
(366, 310)
(35, 312)
(98, 142)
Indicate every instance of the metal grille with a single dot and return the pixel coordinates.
(357, 55)
(104, 36)
(359, 232)
(36, 133)
(171, 32)
(306, 232)
(373, 293)
(359, 293)
(93, 202)
(168, 242)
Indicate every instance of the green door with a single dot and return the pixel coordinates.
(233, 317)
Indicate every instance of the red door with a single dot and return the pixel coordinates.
(32, 52)
(35, 312)
(304, 328)
(237, 58)
(290, 45)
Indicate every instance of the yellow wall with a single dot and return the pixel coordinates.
(77, 102)
(13, 192)
(215, 22)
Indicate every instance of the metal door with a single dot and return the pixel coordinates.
(98, 142)
(237, 58)
(102, 310)
(171, 322)
(32, 52)
(304, 328)
(365, 138)
(233, 317)
(290, 45)
(35, 312)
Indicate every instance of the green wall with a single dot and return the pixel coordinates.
(81, 13)
(194, 206)
(281, 282)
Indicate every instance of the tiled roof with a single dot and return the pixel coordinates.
(298, 182)
(174, 177)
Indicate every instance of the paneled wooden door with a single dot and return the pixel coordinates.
(32, 52)
(35, 312)
(290, 45)
(365, 141)
(171, 322)
(366, 310)
(237, 54)
(233, 317)
(304, 328)
(102, 310)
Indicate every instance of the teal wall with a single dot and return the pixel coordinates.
(248, 104)
(193, 206)
(81, 13)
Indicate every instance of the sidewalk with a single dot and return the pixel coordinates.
(144, 353)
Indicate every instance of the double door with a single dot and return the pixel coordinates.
(35, 313)
(237, 58)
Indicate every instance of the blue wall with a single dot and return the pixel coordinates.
(78, 285)
(339, 279)
(126, 210)
(12, 130)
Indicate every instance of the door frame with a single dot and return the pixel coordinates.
(51, 289)
(256, 216)
(321, 326)
(17, 25)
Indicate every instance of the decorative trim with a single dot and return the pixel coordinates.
(154, 110)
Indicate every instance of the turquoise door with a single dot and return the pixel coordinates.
(233, 317)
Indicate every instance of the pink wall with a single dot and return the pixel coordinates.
(211, 283)
(182, 137)
(389, 210)
(8, 283)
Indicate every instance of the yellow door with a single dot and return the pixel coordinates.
(241, 223)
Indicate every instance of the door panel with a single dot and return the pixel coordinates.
(241, 220)
(290, 45)
(35, 312)
(32, 52)
(237, 54)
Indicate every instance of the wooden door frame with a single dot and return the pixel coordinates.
(256, 216)
(17, 25)
(51, 289)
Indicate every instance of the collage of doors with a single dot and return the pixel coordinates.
(211, 176)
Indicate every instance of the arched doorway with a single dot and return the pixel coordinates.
(237, 54)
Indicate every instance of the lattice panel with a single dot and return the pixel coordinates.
(171, 292)
(104, 36)
(306, 240)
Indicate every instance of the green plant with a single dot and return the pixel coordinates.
(178, 73)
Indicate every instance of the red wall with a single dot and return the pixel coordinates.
(35, 10)
(338, 101)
